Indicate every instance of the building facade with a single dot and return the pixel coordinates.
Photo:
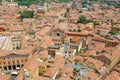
(12, 61)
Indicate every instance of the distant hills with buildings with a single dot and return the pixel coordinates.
(115, 3)
(29, 2)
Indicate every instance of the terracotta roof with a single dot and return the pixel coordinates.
(17, 52)
(47, 42)
(90, 52)
(66, 72)
(16, 28)
(76, 40)
(51, 72)
(43, 31)
(73, 58)
(4, 77)
(40, 78)
(81, 33)
(59, 61)
(65, 78)
(43, 54)
(113, 76)
(91, 75)
(31, 66)
(97, 63)
(116, 52)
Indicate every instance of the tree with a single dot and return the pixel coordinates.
(84, 3)
(113, 32)
(83, 20)
(96, 23)
(26, 2)
(75, 71)
(27, 14)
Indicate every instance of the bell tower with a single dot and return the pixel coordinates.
(68, 16)
(45, 6)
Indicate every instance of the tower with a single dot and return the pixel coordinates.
(45, 5)
(68, 16)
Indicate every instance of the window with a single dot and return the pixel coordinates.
(9, 67)
(58, 34)
(13, 44)
(48, 66)
(17, 61)
(8, 62)
(13, 48)
(17, 47)
(16, 44)
(4, 62)
(5, 68)
(13, 62)
(14, 67)
(22, 65)
(18, 65)
(22, 61)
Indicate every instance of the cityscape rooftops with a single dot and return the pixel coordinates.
(54, 43)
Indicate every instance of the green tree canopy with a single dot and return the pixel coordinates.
(83, 20)
(27, 14)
